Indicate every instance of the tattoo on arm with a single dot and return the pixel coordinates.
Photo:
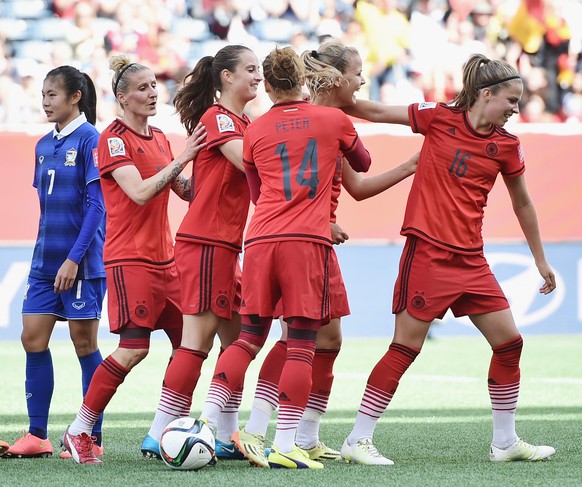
(165, 180)
(183, 187)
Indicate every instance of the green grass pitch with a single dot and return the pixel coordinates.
(437, 429)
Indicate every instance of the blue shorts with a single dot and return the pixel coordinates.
(82, 302)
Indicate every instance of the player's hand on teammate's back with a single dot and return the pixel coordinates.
(412, 163)
(338, 235)
(195, 142)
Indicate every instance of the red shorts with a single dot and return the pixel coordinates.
(146, 297)
(431, 280)
(338, 296)
(295, 272)
(209, 277)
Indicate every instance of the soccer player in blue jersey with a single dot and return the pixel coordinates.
(67, 278)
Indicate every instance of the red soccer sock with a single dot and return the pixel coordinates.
(322, 379)
(104, 383)
(229, 373)
(183, 371)
(504, 367)
(503, 384)
(294, 387)
(504, 375)
(274, 362)
(384, 379)
(270, 373)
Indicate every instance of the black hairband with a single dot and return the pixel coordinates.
(496, 82)
(119, 77)
(314, 54)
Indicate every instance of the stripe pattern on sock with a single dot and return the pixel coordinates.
(374, 402)
(268, 392)
(504, 397)
(233, 403)
(317, 402)
(174, 403)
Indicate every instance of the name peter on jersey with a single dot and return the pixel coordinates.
(286, 126)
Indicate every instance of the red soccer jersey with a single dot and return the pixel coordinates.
(294, 147)
(336, 187)
(135, 234)
(456, 171)
(219, 209)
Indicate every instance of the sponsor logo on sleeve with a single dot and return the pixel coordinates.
(225, 123)
(427, 105)
(520, 154)
(116, 146)
(95, 158)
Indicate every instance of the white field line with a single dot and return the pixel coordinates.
(459, 379)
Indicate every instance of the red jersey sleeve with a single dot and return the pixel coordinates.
(353, 148)
(421, 115)
(220, 126)
(514, 161)
(112, 152)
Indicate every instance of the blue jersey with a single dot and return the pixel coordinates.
(64, 166)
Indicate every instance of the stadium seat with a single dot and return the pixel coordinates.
(14, 29)
(25, 9)
(103, 25)
(211, 47)
(275, 30)
(194, 29)
(33, 49)
(49, 29)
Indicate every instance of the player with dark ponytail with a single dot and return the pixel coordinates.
(67, 279)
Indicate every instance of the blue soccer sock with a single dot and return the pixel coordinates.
(39, 388)
(89, 364)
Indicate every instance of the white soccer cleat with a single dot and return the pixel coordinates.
(520, 451)
(363, 452)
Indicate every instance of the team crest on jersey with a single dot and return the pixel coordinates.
(225, 123)
(141, 311)
(116, 147)
(71, 157)
(418, 302)
(222, 301)
(426, 105)
(95, 158)
(492, 150)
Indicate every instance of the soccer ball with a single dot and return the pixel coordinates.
(187, 444)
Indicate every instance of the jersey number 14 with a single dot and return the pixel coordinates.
(309, 162)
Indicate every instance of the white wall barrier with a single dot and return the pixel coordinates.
(369, 271)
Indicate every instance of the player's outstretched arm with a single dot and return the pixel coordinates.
(361, 188)
(378, 112)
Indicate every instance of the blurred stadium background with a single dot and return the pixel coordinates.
(413, 50)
